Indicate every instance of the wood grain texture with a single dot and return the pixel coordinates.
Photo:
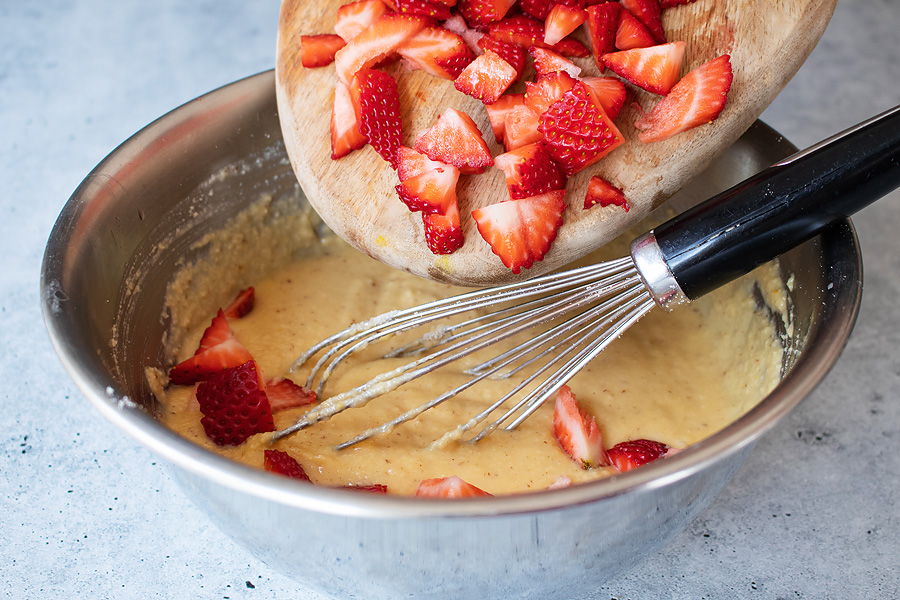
(768, 41)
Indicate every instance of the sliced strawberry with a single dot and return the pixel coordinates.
(411, 163)
(519, 30)
(433, 191)
(458, 25)
(609, 92)
(219, 350)
(423, 8)
(437, 51)
(282, 463)
(698, 98)
(626, 456)
(375, 488)
(486, 77)
(577, 432)
(376, 42)
(672, 3)
(498, 110)
(345, 134)
(443, 233)
(511, 53)
(481, 13)
(577, 131)
(456, 140)
(603, 22)
(375, 93)
(561, 21)
(242, 304)
(448, 487)
(539, 9)
(319, 50)
(284, 394)
(530, 171)
(521, 232)
(234, 406)
(649, 13)
(520, 127)
(571, 47)
(602, 192)
(548, 89)
(356, 17)
(548, 61)
(656, 68)
(632, 33)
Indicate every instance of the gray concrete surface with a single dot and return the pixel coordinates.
(85, 512)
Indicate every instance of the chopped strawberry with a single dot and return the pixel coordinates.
(561, 21)
(530, 171)
(242, 304)
(345, 134)
(486, 77)
(602, 192)
(548, 89)
(577, 131)
(548, 61)
(498, 110)
(571, 47)
(458, 25)
(456, 140)
(609, 92)
(234, 406)
(539, 9)
(356, 17)
(698, 98)
(282, 463)
(521, 232)
(443, 233)
(577, 432)
(218, 350)
(511, 53)
(481, 13)
(672, 3)
(375, 93)
(411, 163)
(520, 127)
(656, 68)
(626, 456)
(284, 394)
(632, 33)
(437, 51)
(319, 50)
(649, 13)
(519, 30)
(448, 487)
(376, 42)
(375, 488)
(432, 191)
(603, 22)
(423, 8)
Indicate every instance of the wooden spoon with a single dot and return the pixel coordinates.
(767, 41)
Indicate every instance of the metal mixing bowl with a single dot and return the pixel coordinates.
(105, 273)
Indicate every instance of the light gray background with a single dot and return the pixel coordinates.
(86, 512)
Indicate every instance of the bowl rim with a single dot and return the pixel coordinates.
(820, 355)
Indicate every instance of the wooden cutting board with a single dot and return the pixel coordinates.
(767, 41)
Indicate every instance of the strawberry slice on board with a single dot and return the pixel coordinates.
(626, 456)
(697, 99)
(609, 92)
(242, 304)
(571, 47)
(456, 140)
(603, 23)
(521, 232)
(448, 487)
(345, 134)
(218, 350)
(376, 42)
(530, 171)
(443, 233)
(356, 17)
(319, 50)
(577, 132)
(375, 93)
(649, 13)
(486, 77)
(561, 21)
(602, 192)
(632, 33)
(548, 89)
(577, 432)
(548, 61)
(514, 54)
(234, 405)
(423, 8)
(438, 52)
(481, 13)
(282, 463)
(284, 394)
(655, 68)
(520, 30)
(520, 128)
(498, 110)
(433, 191)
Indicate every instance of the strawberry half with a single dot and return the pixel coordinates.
(423, 8)
(530, 171)
(455, 140)
(486, 77)
(376, 95)
(242, 304)
(609, 92)
(521, 232)
(433, 191)
(218, 350)
(548, 61)
(561, 21)
(448, 487)
(577, 432)
(345, 134)
(438, 52)
(519, 30)
(603, 22)
(234, 406)
(282, 463)
(376, 42)
(698, 98)
(443, 233)
(656, 68)
(520, 127)
(498, 110)
(602, 192)
(632, 33)
(511, 53)
(284, 394)
(650, 14)
(577, 131)
(626, 456)
(356, 17)
(481, 13)
(319, 50)
(540, 95)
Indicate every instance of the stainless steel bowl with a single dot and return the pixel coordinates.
(105, 272)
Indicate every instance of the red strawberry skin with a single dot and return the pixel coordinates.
(571, 47)
(448, 487)
(626, 456)
(519, 30)
(530, 171)
(443, 233)
(603, 23)
(514, 54)
(233, 405)
(284, 394)
(604, 193)
(424, 8)
(609, 92)
(480, 13)
(242, 304)
(282, 463)
(218, 350)
(378, 99)
(319, 50)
